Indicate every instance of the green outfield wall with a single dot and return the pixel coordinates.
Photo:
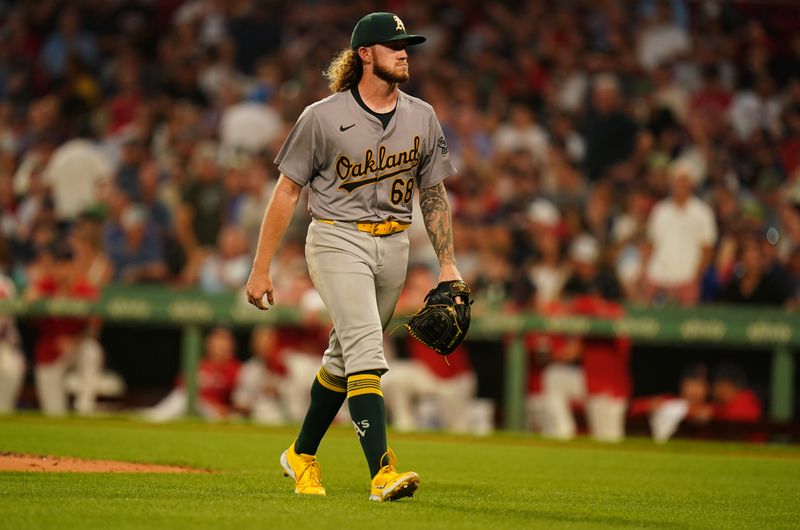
(716, 326)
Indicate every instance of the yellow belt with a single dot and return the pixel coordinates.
(376, 228)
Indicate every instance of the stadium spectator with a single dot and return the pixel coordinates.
(128, 95)
(86, 241)
(790, 144)
(755, 109)
(663, 38)
(753, 283)
(547, 272)
(20, 216)
(610, 133)
(627, 238)
(74, 175)
(202, 210)
(256, 32)
(597, 213)
(794, 272)
(133, 154)
(249, 126)
(257, 187)
(67, 40)
(668, 94)
(151, 191)
(561, 181)
(588, 275)
(501, 290)
(681, 234)
(261, 387)
(226, 267)
(135, 248)
(216, 380)
(521, 131)
(8, 203)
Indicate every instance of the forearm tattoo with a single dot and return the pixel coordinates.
(436, 213)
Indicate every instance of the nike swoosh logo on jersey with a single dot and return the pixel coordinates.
(343, 128)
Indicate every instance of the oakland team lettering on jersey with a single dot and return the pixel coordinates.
(356, 170)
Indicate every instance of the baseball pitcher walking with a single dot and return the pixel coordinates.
(361, 151)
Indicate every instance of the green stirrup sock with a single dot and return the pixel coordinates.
(327, 395)
(365, 400)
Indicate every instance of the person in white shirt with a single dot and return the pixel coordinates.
(249, 126)
(756, 109)
(75, 173)
(227, 267)
(681, 233)
(521, 132)
(661, 39)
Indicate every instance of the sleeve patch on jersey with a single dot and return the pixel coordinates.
(442, 143)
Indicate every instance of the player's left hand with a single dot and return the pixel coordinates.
(443, 321)
(449, 273)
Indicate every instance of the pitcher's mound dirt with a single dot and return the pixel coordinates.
(63, 464)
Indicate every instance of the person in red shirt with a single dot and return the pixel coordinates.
(65, 346)
(733, 401)
(710, 103)
(587, 371)
(217, 374)
(262, 386)
(666, 412)
(216, 379)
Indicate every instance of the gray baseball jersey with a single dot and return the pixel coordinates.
(356, 170)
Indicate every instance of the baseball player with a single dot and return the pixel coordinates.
(12, 358)
(361, 151)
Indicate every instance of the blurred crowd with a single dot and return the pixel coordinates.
(639, 151)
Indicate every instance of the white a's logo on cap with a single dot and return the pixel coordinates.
(400, 26)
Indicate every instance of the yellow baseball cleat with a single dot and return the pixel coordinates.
(389, 484)
(305, 471)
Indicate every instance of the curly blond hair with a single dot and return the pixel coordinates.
(345, 71)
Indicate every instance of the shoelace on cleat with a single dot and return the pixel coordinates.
(388, 473)
(312, 474)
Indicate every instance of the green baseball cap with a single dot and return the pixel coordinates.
(377, 28)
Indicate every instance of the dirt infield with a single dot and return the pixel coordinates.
(63, 464)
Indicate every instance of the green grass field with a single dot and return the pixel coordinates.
(506, 481)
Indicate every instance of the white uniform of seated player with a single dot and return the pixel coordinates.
(12, 360)
(563, 383)
(79, 371)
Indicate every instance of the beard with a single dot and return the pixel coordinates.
(389, 76)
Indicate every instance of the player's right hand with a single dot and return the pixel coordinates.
(259, 290)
